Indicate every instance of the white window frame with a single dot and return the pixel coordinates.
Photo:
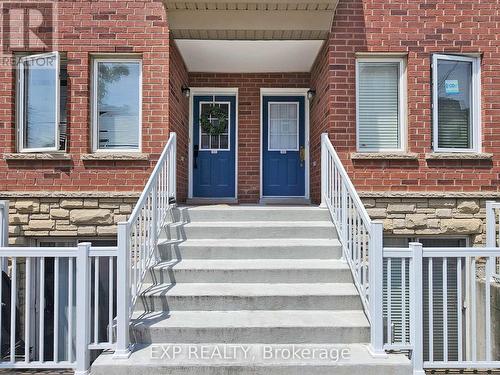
(21, 99)
(402, 115)
(269, 127)
(228, 127)
(95, 117)
(475, 103)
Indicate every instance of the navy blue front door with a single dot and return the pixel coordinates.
(214, 155)
(283, 146)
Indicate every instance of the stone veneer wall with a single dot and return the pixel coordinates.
(42, 217)
(415, 216)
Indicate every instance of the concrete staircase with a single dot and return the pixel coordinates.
(264, 281)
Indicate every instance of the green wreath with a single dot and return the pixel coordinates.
(214, 112)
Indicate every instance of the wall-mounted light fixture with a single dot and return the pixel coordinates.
(311, 93)
(186, 91)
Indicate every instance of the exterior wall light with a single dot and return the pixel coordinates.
(186, 91)
(311, 94)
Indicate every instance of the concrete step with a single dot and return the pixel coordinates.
(231, 296)
(269, 248)
(252, 230)
(266, 327)
(250, 271)
(252, 359)
(251, 213)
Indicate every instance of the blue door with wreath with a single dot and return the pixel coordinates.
(214, 142)
(283, 146)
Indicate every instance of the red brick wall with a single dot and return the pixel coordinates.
(86, 27)
(319, 117)
(179, 117)
(249, 86)
(418, 28)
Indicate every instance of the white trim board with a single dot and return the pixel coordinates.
(217, 91)
(286, 92)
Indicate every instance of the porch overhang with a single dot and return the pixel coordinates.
(255, 20)
(249, 56)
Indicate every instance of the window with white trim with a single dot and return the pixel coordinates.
(380, 104)
(456, 103)
(41, 102)
(117, 102)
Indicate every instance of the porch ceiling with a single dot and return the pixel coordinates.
(248, 56)
(254, 20)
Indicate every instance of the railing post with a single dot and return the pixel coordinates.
(324, 162)
(416, 307)
(82, 309)
(174, 166)
(154, 219)
(4, 235)
(123, 293)
(344, 212)
(376, 284)
(491, 241)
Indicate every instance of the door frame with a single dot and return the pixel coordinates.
(217, 91)
(285, 92)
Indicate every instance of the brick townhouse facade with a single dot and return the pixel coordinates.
(421, 182)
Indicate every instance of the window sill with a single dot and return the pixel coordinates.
(384, 156)
(458, 156)
(103, 156)
(36, 156)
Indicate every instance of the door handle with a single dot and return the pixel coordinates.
(196, 149)
(302, 154)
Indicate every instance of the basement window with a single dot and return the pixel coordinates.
(397, 329)
(41, 102)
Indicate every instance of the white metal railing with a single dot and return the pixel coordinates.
(137, 239)
(430, 301)
(447, 322)
(57, 304)
(360, 237)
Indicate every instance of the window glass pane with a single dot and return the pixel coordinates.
(118, 104)
(283, 126)
(205, 141)
(214, 141)
(219, 141)
(39, 102)
(378, 106)
(224, 141)
(396, 242)
(454, 104)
